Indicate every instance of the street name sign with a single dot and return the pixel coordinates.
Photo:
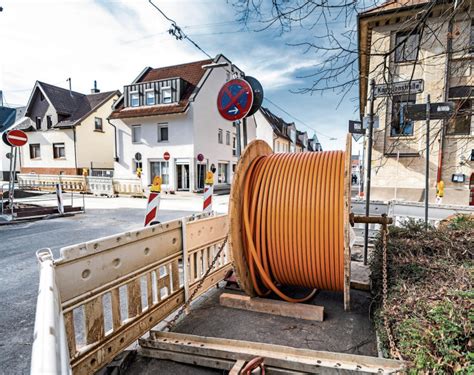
(235, 99)
(438, 111)
(365, 122)
(399, 88)
(16, 138)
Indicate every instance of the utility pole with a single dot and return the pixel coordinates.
(427, 158)
(369, 168)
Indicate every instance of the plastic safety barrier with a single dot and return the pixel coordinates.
(115, 289)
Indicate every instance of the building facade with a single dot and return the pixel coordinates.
(173, 110)
(68, 132)
(412, 49)
(279, 134)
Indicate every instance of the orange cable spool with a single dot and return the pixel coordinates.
(289, 220)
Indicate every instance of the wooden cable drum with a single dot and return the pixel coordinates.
(289, 217)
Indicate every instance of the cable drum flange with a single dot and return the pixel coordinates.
(289, 221)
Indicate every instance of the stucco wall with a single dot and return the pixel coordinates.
(45, 140)
(93, 147)
(407, 176)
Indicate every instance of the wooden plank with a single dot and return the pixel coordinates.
(209, 362)
(134, 298)
(149, 289)
(347, 205)
(235, 370)
(88, 362)
(175, 275)
(116, 316)
(70, 333)
(285, 357)
(274, 307)
(94, 317)
(253, 150)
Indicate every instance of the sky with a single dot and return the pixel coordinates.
(113, 41)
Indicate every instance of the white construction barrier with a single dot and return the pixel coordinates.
(100, 186)
(50, 354)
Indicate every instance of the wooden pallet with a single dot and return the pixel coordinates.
(226, 354)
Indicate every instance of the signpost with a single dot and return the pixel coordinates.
(167, 157)
(356, 129)
(13, 138)
(427, 111)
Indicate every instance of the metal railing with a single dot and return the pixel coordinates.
(115, 289)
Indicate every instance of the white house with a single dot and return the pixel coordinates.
(67, 132)
(174, 110)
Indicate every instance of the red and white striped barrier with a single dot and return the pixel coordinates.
(152, 209)
(153, 205)
(208, 191)
(59, 196)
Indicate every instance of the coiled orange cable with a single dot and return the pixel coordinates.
(293, 227)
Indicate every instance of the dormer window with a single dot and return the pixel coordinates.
(134, 99)
(166, 95)
(150, 97)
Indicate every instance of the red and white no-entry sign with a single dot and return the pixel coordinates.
(166, 156)
(16, 138)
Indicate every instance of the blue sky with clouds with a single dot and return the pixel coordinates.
(112, 41)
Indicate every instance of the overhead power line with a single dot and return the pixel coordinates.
(179, 34)
(300, 121)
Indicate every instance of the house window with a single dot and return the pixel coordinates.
(98, 124)
(35, 151)
(222, 173)
(150, 97)
(399, 125)
(219, 136)
(38, 123)
(166, 95)
(59, 151)
(227, 138)
(136, 133)
(460, 123)
(234, 146)
(162, 132)
(406, 46)
(160, 168)
(134, 99)
(49, 122)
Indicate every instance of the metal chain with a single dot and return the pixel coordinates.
(180, 312)
(393, 349)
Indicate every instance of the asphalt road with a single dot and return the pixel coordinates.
(19, 271)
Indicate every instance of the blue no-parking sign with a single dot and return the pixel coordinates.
(235, 99)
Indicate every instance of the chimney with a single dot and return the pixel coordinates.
(95, 90)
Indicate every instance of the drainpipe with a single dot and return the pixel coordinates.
(449, 51)
(75, 147)
(116, 158)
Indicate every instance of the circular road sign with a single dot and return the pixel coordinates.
(200, 157)
(138, 156)
(235, 99)
(17, 138)
(166, 156)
